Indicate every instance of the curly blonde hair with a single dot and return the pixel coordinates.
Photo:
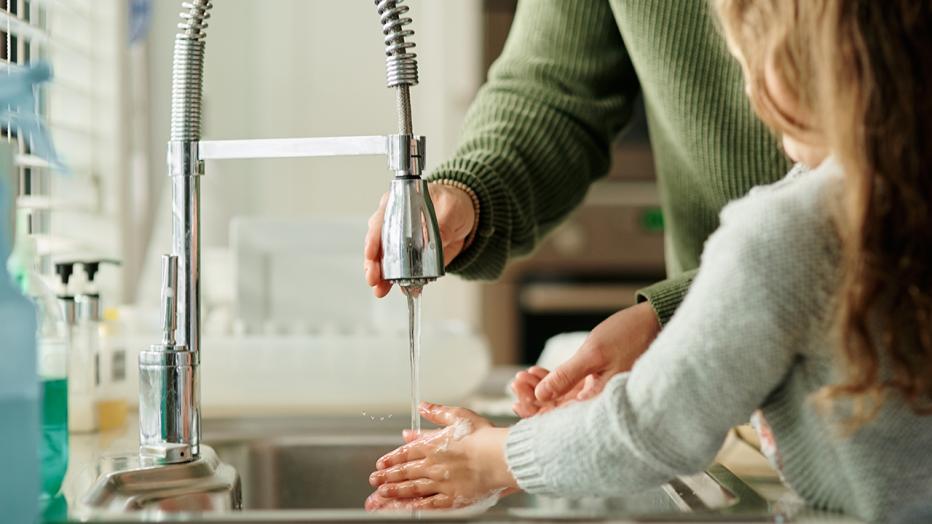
(861, 71)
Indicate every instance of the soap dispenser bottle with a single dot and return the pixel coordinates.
(81, 355)
(85, 359)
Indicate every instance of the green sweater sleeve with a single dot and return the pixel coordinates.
(665, 296)
(540, 130)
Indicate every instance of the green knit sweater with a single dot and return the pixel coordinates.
(539, 132)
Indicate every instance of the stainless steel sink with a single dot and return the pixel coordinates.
(331, 473)
(323, 464)
(316, 469)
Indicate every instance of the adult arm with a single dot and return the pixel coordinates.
(540, 130)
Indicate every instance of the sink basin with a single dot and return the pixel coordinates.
(326, 464)
(332, 473)
(316, 469)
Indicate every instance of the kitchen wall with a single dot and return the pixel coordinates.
(281, 68)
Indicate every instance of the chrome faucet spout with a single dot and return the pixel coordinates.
(412, 255)
(169, 381)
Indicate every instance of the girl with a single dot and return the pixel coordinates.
(812, 305)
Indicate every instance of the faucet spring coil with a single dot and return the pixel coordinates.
(194, 20)
(401, 66)
(188, 70)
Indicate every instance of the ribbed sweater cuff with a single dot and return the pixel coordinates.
(665, 296)
(485, 258)
(519, 452)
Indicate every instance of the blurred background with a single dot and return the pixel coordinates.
(282, 239)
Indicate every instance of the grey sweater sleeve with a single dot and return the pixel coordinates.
(729, 345)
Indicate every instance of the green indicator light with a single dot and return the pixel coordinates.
(652, 220)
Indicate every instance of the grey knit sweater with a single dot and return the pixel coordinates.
(753, 333)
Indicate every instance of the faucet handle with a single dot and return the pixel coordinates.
(169, 299)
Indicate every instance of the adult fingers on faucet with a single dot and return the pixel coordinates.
(456, 218)
(374, 235)
(372, 253)
(451, 250)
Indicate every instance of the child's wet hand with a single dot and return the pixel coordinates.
(409, 435)
(458, 422)
(376, 502)
(457, 466)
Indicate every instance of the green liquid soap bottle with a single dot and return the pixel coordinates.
(53, 451)
(53, 341)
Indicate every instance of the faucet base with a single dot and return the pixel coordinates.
(169, 405)
(128, 483)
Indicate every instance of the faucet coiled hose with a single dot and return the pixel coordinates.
(188, 65)
(188, 71)
(400, 65)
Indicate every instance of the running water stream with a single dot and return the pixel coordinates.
(414, 343)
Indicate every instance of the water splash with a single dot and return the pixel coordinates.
(380, 418)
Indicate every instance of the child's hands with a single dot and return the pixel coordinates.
(611, 348)
(527, 404)
(460, 465)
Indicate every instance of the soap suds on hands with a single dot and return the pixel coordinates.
(458, 431)
(461, 429)
(483, 504)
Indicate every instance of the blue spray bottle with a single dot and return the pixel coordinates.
(19, 388)
(29, 351)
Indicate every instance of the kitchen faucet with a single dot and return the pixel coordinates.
(169, 398)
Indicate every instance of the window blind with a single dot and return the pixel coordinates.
(78, 215)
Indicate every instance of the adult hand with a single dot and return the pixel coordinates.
(611, 348)
(461, 465)
(455, 216)
(527, 404)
